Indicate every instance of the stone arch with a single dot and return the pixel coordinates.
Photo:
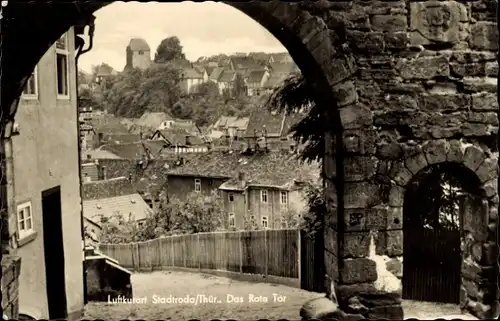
(478, 240)
(315, 34)
(319, 49)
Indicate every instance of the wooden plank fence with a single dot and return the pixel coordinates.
(284, 253)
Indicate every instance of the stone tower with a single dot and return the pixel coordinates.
(138, 54)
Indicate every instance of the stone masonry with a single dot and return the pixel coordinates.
(402, 84)
(11, 267)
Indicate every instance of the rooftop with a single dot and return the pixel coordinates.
(267, 169)
(255, 76)
(107, 188)
(132, 205)
(153, 119)
(273, 124)
(244, 63)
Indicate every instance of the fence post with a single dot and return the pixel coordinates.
(172, 252)
(266, 251)
(184, 246)
(240, 245)
(299, 257)
(138, 257)
(198, 247)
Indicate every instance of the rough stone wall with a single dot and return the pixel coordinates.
(424, 93)
(11, 266)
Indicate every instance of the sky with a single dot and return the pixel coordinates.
(204, 29)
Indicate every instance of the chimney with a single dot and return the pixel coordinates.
(188, 140)
(242, 178)
(100, 137)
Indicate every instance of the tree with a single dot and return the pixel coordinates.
(118, 229)
(200, 213)
(293, 96)
(208, 90)
(169, 49)
(239, 88)
(181, 110)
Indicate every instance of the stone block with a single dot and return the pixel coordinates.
(424, 68)
(319, 308)
(395, 266)
(487, 170)
(484, 36)
(331, 265)
(345, 93)
(472, 289)
(356, 244)
(361, 195)
(416, 163)
(468, 69)
(331, 240)
(491, 69)
(359, 141)
(455, 152)
(355, 306)
(394, 243)
(355, 116)
(493, 214)
(444, 103)
(396, 196)
(433, 21)
(396, 40)
(376, 218)
(478, 84)
(402, 175)
(355, 219)
(473, 157)
(467, 56)
(474, 272)
(359, 168)
(373, 296)
(388, 23)
(490, 118)
(480, 310)
(391, 150)
(477, 129)
(390, 312)
(436, 151)
(395, 218)
(490, 253)
(360, 270)
(367, 42)
(475, 218)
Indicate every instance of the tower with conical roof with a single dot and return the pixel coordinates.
(138, 54)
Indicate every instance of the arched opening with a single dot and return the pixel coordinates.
(302, 43)
(436, 202)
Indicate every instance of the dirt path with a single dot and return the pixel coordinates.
(159, 286)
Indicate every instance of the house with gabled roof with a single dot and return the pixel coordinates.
(242, 63)
(274, 82)
(190, 80)
(216, 74)
(255, 81)
(156, 120)
(104, 71)
(264, 185)
(282, 57)
(104, 199)
(226, 81)
(267, 189)
(271, 130)
(261, 58)
(286, 68)
(180, 141)
(230, 126)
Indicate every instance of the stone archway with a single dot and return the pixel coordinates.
(478, 241)
(387, 79)
(314, 34)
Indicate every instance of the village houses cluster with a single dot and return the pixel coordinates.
(129, 164)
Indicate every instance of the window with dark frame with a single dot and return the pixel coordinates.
(62, 66)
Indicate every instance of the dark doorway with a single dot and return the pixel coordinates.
(433, 211)
(54, 253)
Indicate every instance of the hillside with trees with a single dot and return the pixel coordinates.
(133, 92)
